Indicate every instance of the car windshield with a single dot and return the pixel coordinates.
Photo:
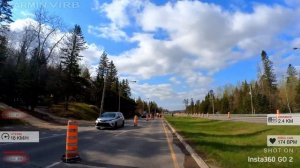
(108, 115)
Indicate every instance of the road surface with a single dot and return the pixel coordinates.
(150, 145)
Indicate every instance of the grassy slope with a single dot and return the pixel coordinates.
(228, 144)
(12, 123)
(80, 111)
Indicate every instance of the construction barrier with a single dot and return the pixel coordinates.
(135, 120)
(71, 154)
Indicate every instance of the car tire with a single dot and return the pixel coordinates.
(123, 124)
(116, 125)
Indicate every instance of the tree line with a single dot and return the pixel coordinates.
(37, 71)
(264, 95)
(148, 107)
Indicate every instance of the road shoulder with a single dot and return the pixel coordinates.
(201, 163)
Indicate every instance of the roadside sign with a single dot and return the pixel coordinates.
(283, 119)
(19, 136)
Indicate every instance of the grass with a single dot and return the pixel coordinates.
(12, 123)
(80, 111)
(229, 144)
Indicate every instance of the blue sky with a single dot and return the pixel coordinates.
(180, 49)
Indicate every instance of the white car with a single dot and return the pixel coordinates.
(110, 120)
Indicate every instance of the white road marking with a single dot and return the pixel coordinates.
(81, 166)
(53, 164)
(121, 133)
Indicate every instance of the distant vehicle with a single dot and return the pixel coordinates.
(110, 120)
(144, 115)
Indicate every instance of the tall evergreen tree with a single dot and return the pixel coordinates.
(69, 59)
(112, 78)
(297, 97)
(269, 81)
(103, 66)
(290, 87)
(291, 73)
(6, 14)
(268, 74)
(125, 88)
(5, 20)
(101, 73)
(86, 74)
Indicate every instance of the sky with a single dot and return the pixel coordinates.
(179, 49)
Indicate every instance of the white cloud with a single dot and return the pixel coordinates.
(160, 91)
(174, 80)
(202, 38)
(27, 14)
(91, 55)
(120, 11)
(20, 24)
(198, 42)
(110, 32)
(165, 95)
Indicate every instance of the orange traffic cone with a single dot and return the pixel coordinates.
(135, 120)
(71, 154)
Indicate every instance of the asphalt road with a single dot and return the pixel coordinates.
(150, 145)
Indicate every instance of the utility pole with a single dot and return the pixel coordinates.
(252, 108)
(103, 93)
(119, 107)
(148, 105)
(211, 93)
(143, 107)
(286, 95)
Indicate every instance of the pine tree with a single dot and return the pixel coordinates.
(269, 80)
(6, 15)
(102, 68)
(125, 89)
(186, 104)
(268, 74)
(112, 77)
(225, 102)
(297, 97)
(86, 74)
(291, 74)
(101, 73)
(139, 106)
(290, 87)
(192, 106)
(5, 20)
(69, 59)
